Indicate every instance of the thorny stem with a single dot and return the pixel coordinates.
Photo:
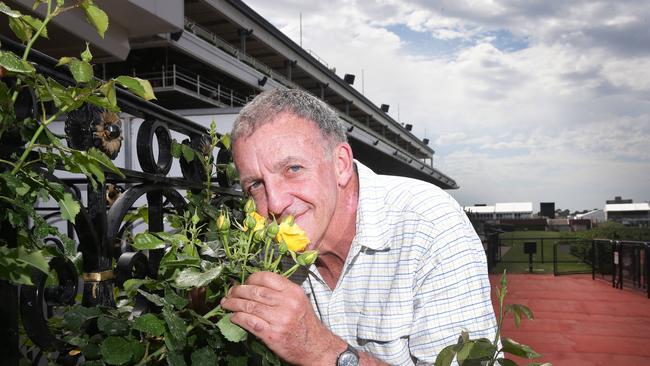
(246, 252)
(32, 142)
(291, 270)
(31, 42)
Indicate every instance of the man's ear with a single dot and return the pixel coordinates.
(344, 163)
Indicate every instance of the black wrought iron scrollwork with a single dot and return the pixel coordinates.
(149, 129)
(224, 157)
(133, 265)
(37, 301)
(154, 193)
(194, 170)
(92, 126)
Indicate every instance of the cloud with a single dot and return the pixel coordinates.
(531, 99)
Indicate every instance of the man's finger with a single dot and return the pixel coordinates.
(256, 293)
(251, 323)
(258, 309)
(270, 280)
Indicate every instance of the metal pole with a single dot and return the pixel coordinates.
(543, 249)
(593, 259)
(174, 74)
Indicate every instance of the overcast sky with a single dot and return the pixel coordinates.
(523, 100)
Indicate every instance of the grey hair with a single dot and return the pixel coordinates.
(267, 106)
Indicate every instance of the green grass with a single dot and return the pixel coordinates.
(516, 261)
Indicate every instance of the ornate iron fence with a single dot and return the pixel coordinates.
(100, 226)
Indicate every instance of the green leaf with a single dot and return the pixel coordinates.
(225, 140)
(69, 207)
(75, 316)
(518, 349)
(6, 10)
(446, 356)
(506, 362)
(91, 351)
(204, 356)
(481, 350)
(237, 360)
(192, 277)
(35, 24)
(230, 330)
(175, 359)
(139, 87)
(17, 264)
(517, 311)
(188, 152)
(141, 213)
(21, 29)
(137, 351)
(116, 350)
(176, 325)
(101, 158)
(34, 258)
(149, 324)
(108, 89)
(112, 326)
(13, 63)
(133, 284)
(153, 298)
(65, 60)
(176, 149)
(81, 71)
(86, 55)
(174, 299)
(96, 17)
(144, 241)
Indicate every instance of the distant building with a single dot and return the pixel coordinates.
(618, 199)
(629, 214)
(501, 211)
(595, 216)
(547, 209)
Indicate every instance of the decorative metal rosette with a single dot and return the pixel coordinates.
(92, 126)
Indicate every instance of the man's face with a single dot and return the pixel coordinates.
(284, 166)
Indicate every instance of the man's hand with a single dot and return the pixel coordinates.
(277, 311)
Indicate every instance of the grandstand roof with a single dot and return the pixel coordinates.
(514, 207)
(627, 207)
(502, 208)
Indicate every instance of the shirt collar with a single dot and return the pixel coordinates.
(371, 229)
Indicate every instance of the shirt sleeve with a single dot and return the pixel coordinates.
(451, 286)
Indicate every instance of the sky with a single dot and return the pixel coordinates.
(523, 101)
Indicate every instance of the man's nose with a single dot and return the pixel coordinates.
(278, 198)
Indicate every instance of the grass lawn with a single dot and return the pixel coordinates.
(516, 261)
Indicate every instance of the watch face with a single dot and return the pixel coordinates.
(348, 358)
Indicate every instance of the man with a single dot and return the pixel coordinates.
(400, 271)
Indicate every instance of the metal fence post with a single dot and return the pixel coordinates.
(593, 259)
(542, 250)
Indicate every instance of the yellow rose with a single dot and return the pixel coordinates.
(293, 236)
(259, 221)
(223, 222)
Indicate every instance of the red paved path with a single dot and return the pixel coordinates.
(579, 321)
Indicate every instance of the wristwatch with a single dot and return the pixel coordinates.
(349, 357)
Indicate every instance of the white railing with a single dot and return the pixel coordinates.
(210, 37)
(174, 75)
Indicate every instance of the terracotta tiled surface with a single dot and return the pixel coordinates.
(579, 321)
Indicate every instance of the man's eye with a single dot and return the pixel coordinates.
(253, 186)
(295, 168)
